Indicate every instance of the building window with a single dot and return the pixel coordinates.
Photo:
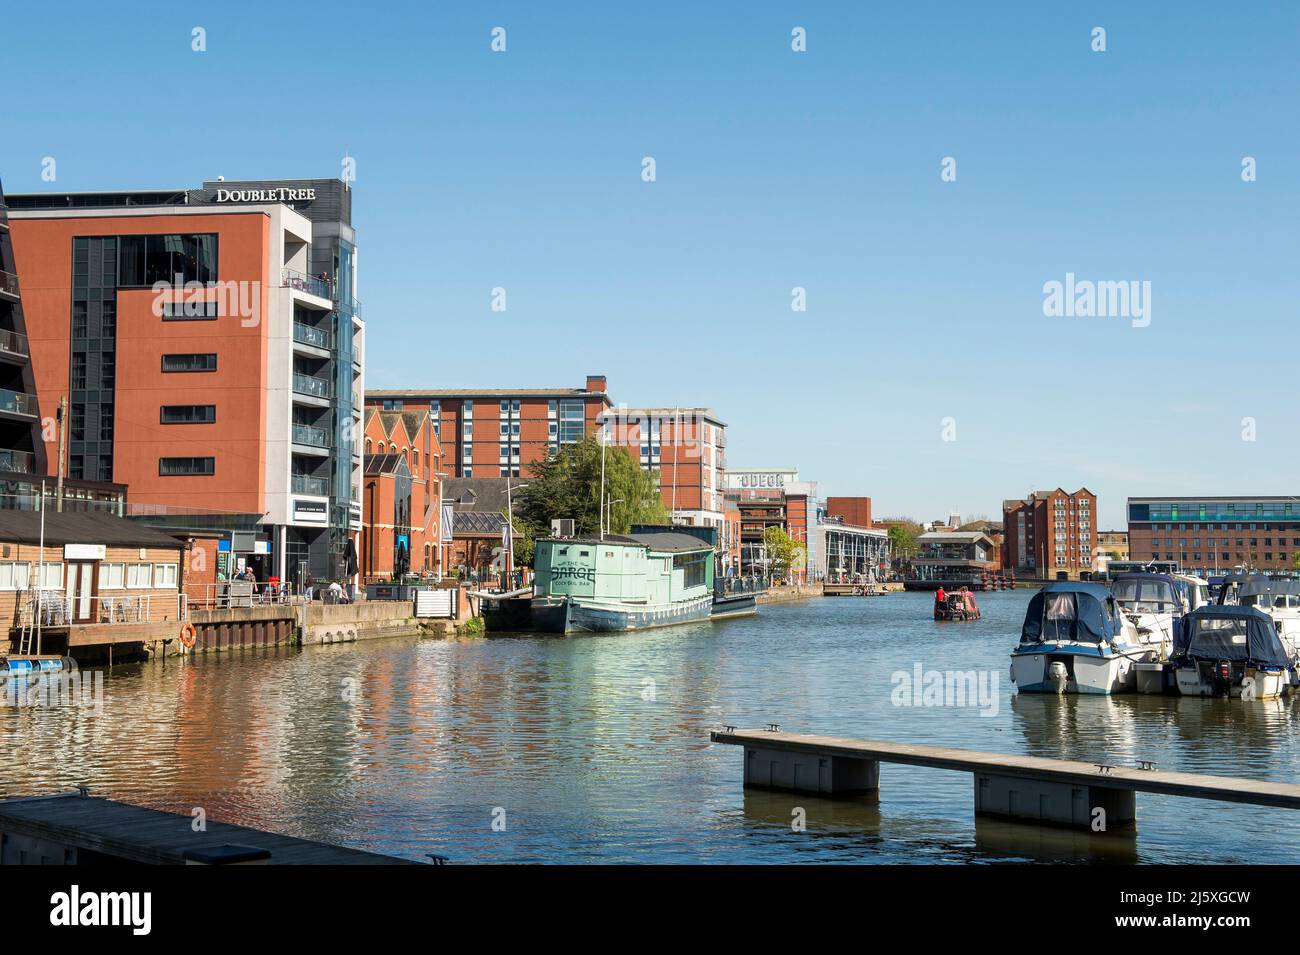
(179, 466)
(572, 422)
(14, 575)
(175, 259)
(164, 576)
(139, 576)
(204, 361)
(189, 414)
(191, 311)
(112, 576)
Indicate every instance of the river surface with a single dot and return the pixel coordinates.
(596, 749)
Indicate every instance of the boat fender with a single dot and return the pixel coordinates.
(187, 635)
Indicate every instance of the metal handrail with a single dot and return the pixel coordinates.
(310, 385)
(307, 484)
(311, 335)
(17, 402)
(306, 434)
(15, 343)
(18, 462)
(310, 284)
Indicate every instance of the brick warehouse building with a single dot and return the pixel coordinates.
(1050, 535)
(210, 345)
(1216, 534)
(401, 496)
(502, 432)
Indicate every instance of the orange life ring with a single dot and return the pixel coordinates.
(187, 635)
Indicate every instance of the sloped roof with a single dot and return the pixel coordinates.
(477, 494)
(478, 522)
(80, 527)
(386, 464)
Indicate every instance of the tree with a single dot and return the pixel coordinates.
(902, 537)
(567, 485)
(784, 553)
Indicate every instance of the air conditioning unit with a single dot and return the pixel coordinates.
(562, 527)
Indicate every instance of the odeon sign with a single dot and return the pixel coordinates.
(282, 194)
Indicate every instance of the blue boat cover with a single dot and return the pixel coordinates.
(1070, 610)
(1232, 633)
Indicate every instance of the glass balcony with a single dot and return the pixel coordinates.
(9, 283)
(307, 385)
(310, 335)
(13, 343)
(306, 484)
(20, 462)
(305, 283)
(15, 402)
(306, 434)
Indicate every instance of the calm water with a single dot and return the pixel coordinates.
(596, 748)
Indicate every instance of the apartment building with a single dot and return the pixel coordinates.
(1212, 535)
(1051, 534)
(210, 344)
(688, 448)
(23, 422)
(502, 432)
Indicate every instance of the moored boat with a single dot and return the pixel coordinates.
(1154, 605)
(1232, 650)
(1074, 641)
(621, 582)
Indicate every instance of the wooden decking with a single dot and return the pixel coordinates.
(1068, 772)
(47, 827)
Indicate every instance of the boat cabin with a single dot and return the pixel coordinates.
(652, 568)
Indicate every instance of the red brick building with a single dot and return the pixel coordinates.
(850, 510)
(1050, 535)
(401, 497)
(500, 432)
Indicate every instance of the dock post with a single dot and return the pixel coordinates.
(810, 772)
(1096, 808)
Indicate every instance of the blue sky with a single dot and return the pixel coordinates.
(775, 169)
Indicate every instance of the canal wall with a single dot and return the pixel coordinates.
(271, 625)
(787, 593)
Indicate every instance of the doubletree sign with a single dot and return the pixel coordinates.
(281, 194)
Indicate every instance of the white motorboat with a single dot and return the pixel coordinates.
(1234, 651)
(1074, 640)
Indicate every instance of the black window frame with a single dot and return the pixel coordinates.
(188, 371)
(211, 467)
(210, 419)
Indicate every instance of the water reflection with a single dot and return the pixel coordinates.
(596, 748)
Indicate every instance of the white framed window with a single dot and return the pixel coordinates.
(14, 576)
(139, 576)
(112, 576)
(165, 576)
(53, 574)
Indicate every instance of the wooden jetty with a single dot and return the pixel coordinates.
(1028, 788)
(79, 829)
(859, 590)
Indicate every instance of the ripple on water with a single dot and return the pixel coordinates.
(596, 748)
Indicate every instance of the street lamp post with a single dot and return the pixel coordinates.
(510, 534)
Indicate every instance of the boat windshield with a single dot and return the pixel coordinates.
(1146, 596)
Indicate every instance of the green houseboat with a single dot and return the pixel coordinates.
(623, 582)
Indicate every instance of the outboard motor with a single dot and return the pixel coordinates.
(1222, 679)
(1058, 675)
